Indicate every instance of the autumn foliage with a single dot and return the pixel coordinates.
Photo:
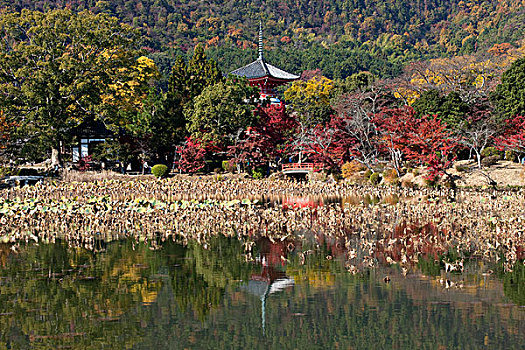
(424, 140)
(514, 137)
(191, 156)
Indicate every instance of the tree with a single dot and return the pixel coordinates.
(56, 67)
(449, 108)
(514, 137)
(425, 140)
(319, 144)
(311, 100)
(191, 156)
(221, 110)
(510, 94)
(201, 72)
(357, 133)
(186, 82)
(477, 132)
(267, 140)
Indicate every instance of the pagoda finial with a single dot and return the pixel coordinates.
(260, 41)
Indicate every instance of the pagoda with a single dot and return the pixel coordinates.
(264, 75)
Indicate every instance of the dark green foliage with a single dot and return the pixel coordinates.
(489, 161)
(160, 170)
(510, 94)
(510, 155)
(450, 108)
(491, 152)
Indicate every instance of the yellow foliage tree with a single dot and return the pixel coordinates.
(311, 99)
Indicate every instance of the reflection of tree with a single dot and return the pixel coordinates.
(54, 296)
(201, 280)
(514, 284)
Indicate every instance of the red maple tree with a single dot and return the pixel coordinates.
(513, 139)
(259, 144)
(191, 156)
(425, 140)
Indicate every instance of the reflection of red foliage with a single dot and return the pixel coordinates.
(273, 254)
(412, 240)
(301, 202)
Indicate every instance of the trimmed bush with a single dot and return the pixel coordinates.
(375, 178)
(160, 170)
(488, 161)
(491, 152)
(227, 166)
(349, 169)
(510, 155)
(390, 176)
(258, 173)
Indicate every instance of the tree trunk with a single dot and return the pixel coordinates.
(478, 158)
(55, 157)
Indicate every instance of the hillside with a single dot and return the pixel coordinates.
(339, 36)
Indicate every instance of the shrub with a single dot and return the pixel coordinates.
(84, 164)
(349, 169)
(488, 161)
(510, 155)
(258, 173)
(408, 184)
(227, 166)
(375, 178)
(390, 176)
(491, 152)
(160, 170)
(368, 173)
(9, 171)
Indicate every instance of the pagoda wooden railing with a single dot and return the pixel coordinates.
(288, 167)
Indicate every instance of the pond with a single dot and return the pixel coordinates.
(223, 294)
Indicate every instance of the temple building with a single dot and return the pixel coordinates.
(264, 75)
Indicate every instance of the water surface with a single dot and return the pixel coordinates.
(135, 295)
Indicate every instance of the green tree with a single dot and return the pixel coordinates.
(450, 108)
(57, 67)
(222, 110)
(202, 72)
(510, 94)
(186, 82)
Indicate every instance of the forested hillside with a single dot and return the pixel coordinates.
(340, 37)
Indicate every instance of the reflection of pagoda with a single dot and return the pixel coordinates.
(264, 75)
(270, 280)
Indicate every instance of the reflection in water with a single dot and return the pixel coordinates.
(130, 296)
(270, 279)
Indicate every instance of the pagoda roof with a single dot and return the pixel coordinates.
(261, 69)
